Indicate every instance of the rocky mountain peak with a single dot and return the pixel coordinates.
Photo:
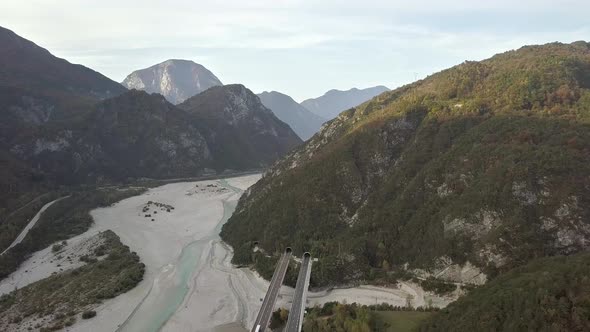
(176, 79)
(233, 103)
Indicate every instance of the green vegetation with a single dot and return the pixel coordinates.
(62, 296)
(13, 222)
(57, 247)
(88, 314)
(61, 221)
(279, 319)
(402, 321)
(486, 162)
(436, 286)
(548, 294)
(340, 317)
(333, 316)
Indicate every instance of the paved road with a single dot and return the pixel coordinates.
(299, 298)
(31, 224)
(268, 304)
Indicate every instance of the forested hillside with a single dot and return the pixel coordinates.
(468, 173)
(37, 91)
(549, 294)
(141, 135)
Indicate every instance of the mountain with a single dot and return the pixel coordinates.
(65, 124)
(25, 65)
(461, 176)
(177, 80)
(38, 90)
(37, 87)
(141, 135)
(239, 127)
(132, 135)
(301, 120)
(333, 102)
(547, 292)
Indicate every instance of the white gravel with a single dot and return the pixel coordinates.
(216, 296)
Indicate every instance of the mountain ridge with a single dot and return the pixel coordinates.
(463, 175)
(304, 122)
(334, 101)
(260, 131)
(29, 66)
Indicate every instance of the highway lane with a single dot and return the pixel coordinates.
(261, 322)
(299, 298)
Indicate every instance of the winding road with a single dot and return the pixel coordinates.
(31, 224)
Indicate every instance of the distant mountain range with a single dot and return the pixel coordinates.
(334, 102)
(301, 120)
(176, 80)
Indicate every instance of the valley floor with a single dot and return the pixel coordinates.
(189, 283)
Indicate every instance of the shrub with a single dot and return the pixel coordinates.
(436, 286)
(88, 314)
(57, 247)
(70, 321)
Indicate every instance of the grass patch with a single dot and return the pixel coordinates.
(402, 321)
(334, 316)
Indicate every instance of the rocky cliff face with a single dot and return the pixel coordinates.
(301, 120)
(548, 291)
(177, 80)
(141, 135)
(239, 126)
(461, 176)
(133, 135)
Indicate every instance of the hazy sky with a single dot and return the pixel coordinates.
(301, 48)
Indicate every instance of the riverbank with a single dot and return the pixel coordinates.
(174, 246)
(190, 283)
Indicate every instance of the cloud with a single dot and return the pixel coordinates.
(304, 47)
